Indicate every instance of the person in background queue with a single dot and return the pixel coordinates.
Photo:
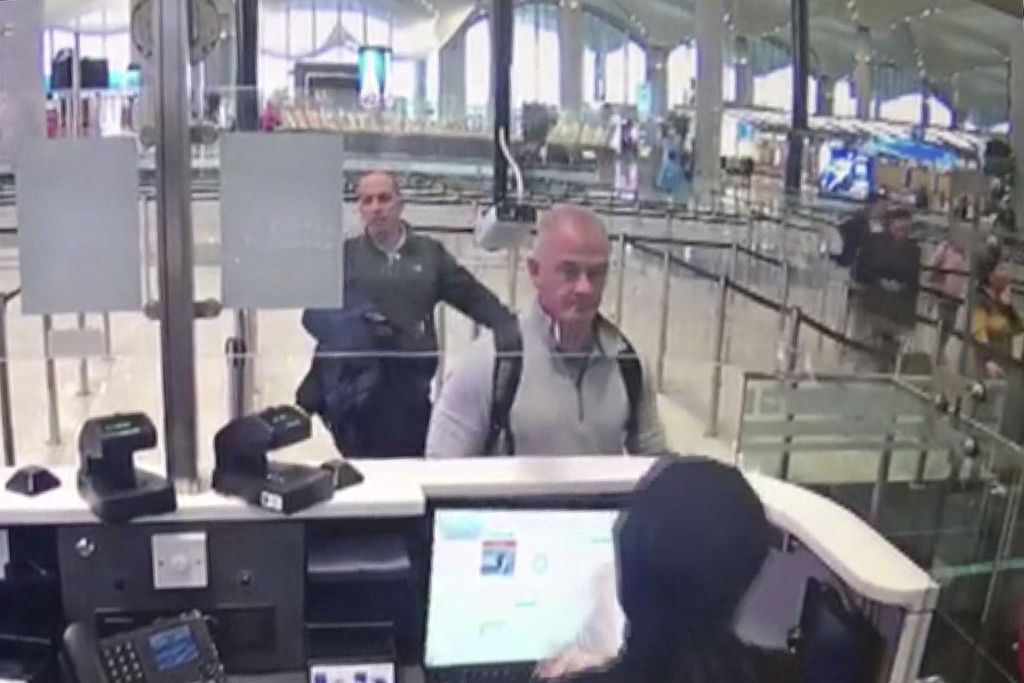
(376, 357)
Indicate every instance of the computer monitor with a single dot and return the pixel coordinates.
(519, 586)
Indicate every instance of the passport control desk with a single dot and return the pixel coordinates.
(346, 579)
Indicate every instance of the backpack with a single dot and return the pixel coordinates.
(508, 370)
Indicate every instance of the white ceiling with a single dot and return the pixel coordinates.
(942, 37)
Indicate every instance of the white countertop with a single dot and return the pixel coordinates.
(854, 551)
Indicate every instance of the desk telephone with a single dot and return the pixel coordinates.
(178, 650)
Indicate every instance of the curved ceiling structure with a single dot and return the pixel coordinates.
(960, 46)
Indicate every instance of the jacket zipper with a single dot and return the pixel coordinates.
(579, 389)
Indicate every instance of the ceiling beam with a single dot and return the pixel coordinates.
(1011, 7)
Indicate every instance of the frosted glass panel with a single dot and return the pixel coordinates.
(281, 208)
(78, 225)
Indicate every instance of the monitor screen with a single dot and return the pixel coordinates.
(519, 585)
(845, 172)
(173, 648)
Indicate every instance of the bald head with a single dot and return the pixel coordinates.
(565, 222)
(380, 206)
(569, 264)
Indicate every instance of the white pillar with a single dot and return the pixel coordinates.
(958, 105)
(710, 25)
(570, 53)
(744, 72)
(1017, 119)
(22, 99)
(862, 73)
(657, 77)
(452, 67)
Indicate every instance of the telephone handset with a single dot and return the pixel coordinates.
(178, 650)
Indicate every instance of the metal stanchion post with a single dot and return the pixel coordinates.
(83, 364)
(620, 280)
(513, 277)
(442, 343)
(108, 345)
(789, 358)
(718, 351)
(53, 415)
(663, 323)
(784, 294)
(6, 408)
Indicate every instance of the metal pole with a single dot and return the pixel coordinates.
(83, 364)
(784, 294)
(789, 357)
(442, 343)
(174, 240)
(108, 346)
(513, 277)
(6, 408)
(620, 279)
(53, 408)
(718, 351)
(663, 323)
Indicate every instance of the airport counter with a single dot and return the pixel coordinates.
(316, 595)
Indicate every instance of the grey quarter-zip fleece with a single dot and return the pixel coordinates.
(565, 405)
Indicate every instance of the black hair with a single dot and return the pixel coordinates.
(900, 214)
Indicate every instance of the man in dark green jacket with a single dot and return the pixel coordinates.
(402, 276)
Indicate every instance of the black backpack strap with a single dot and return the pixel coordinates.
(633, 377)
(508, 369)
(632, 372)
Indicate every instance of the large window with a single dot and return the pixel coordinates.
(478, 65)
(330, 31)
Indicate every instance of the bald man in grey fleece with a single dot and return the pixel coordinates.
(572, 397)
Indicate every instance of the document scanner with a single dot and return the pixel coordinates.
(107, 478)
(244, 470)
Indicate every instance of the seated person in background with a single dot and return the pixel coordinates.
(376, 358)
(886, 279)
(688, 548)
(574, 385)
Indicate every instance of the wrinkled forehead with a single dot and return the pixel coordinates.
(376, 184)
(582, 243)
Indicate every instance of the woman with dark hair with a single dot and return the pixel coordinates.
(688, 548)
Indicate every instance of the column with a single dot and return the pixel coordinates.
(248, 104)
(571, 28)
(862, 73)
(801, 75)
(419, 90)
(452, 67)
(22, 99)
(744, 73)
(1017, 121)
(826, 100)
(502, 24)
(958, 113)
(710, 30)
(657, 78)
(926, 107)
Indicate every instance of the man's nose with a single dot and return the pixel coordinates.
(584, 285)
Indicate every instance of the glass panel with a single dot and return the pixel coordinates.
(72, 235)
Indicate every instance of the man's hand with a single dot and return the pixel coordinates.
(891, 285)
(569, 662)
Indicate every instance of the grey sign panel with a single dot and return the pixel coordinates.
(78, 225)
(281, 220)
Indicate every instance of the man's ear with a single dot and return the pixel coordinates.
(533, 267)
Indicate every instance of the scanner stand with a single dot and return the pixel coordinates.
(243, 468)
(107, 478)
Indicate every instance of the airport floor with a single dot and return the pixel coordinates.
(130, 379)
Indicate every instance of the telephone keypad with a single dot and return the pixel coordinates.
(122, 663)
